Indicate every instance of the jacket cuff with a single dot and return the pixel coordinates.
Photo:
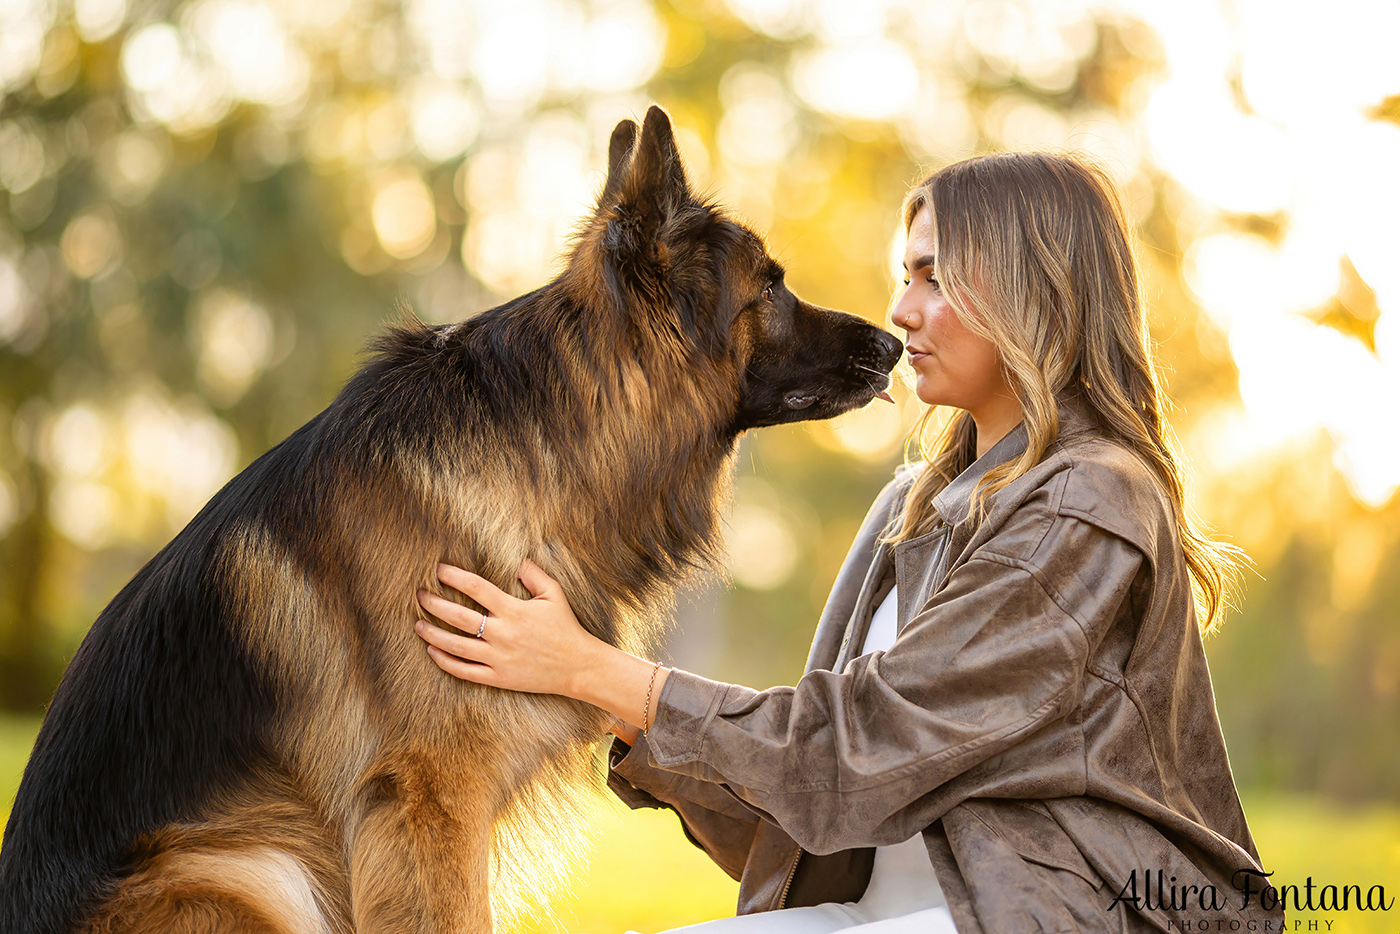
(684, 710)
(627, 769)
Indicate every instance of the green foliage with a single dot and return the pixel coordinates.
(16, 739)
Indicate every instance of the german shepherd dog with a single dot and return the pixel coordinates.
(252, 739)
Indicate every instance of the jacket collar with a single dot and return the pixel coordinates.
(952, 503)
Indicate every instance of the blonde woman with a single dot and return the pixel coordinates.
(1006, 724)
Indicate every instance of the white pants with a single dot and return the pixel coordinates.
(826, 919)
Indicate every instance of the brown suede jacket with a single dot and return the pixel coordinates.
(1045, 718)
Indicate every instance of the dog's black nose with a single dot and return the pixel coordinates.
(889, 348)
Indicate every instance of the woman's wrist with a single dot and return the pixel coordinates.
(624, 731)
(624, 685)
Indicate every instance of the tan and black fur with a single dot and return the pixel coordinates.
(252, 739)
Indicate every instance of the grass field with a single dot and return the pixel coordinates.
(643, 875)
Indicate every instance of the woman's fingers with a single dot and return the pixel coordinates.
(467, 671)
(461, 656)
(534, 645)
(453, 614)
(536, 580)
(496, 600)
(469, 648)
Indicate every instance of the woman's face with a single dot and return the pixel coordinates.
(954, 366)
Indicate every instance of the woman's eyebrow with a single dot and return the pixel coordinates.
(927, 259)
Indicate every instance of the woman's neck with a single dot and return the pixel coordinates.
(995, 420)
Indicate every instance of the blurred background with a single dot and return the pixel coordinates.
(207, 207)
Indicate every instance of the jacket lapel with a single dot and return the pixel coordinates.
(922, 563)
(859, 623)
(864, 568)
(918, 565)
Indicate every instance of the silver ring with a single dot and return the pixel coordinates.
(482, 628)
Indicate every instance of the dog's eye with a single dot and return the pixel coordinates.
(768, 292)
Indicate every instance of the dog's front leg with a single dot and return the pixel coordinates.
(421, 855)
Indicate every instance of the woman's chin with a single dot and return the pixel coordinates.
(930, 393)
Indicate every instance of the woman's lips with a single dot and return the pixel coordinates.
(916, 356)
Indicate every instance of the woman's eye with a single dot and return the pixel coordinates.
(933, 281)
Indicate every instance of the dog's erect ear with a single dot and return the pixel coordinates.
(656, 169)
(645, 175)
(646, 186)
(624, 135)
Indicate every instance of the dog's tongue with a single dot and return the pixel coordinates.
(884, 395)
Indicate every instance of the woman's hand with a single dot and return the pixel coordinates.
(535, 645)
(526, 645)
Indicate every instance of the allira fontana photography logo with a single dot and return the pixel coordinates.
(1205, 907)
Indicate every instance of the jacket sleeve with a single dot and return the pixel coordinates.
(713, 817)
(842, 759)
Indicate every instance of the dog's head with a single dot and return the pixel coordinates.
(696, 291)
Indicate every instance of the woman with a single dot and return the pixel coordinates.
(1037, 748)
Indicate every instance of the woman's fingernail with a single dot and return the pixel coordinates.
(418, 626)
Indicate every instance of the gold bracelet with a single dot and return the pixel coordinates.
(646, 709)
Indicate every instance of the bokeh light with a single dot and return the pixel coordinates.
(875, 79)
(404, 218)
(763, 535)
(235, 343)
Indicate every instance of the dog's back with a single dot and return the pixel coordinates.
(209, 734)
(161, 709)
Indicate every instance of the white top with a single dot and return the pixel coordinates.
(903, 881)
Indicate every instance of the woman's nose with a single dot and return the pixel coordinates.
(905, 314)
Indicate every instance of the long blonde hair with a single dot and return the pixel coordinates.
(1034, 254)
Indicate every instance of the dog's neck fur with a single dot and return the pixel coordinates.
(635, 465)
(627, 461)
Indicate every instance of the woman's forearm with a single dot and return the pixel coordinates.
(624, 731)
(622, 684)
